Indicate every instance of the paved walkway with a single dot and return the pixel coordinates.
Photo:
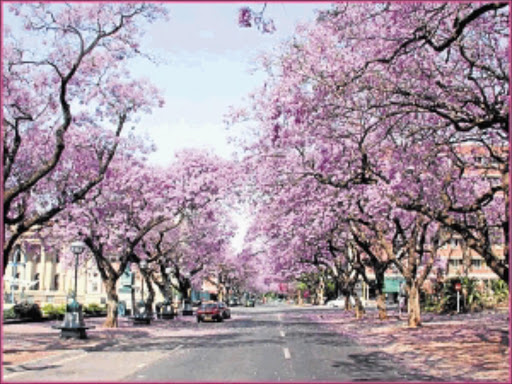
(465, 347)
(38, 347)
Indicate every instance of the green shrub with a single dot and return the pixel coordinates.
(54, 311)
(500, 291)
(471, 298)
(27, 311)
(93, 307)
(9, 314)
(432, 304)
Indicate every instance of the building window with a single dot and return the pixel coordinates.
(455, 243)
(476, 263)
(455, 263)
(56, 283)
(35, 287)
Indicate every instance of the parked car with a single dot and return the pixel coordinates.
(209, 312)
(233, 302)
(250, 303)
(339, 302)
(226, 312)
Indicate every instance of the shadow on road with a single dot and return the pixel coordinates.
(378, 366)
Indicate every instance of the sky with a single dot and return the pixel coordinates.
(209, 66)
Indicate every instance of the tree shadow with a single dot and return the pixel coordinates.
(378, 366)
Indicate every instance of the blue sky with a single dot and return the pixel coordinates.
(208, 61)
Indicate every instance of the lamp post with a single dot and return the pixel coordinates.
(74, 325)
(77, 248)
(142, 313)
(166, 311)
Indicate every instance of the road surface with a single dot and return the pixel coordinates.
(267, 343)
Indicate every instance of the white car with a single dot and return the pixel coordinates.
(339, 302)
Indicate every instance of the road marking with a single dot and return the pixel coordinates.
(282, 333)
(287, 353)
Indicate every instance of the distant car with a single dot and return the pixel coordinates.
(250, 303)
(226, 312)
(209, 312)
(233, 302)
(339, 302)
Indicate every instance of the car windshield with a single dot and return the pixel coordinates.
(209, 306)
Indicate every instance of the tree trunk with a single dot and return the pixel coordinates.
(185, 290)
(381, 305)
(134, 303)
(221, 291)
(381, 296)
(413, 306)
(148, 304)
(321, 290)
(348, 306)
(359, 308)
(112, 301)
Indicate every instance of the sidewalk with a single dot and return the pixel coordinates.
(36, 347)
(466, 347)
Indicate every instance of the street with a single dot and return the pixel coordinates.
(265, 343)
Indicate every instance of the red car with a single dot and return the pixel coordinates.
(209, 311)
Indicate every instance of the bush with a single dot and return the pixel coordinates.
(27, 311)
(471, 297)
(53, 311)
(500, 291)
(432, 304)
(9, 314)
(94, 308)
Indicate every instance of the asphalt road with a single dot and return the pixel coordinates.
(261, 344)
(267, 344)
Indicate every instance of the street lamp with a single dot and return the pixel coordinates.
(77, 248)
(167, 311)
(143, 314)
(74, 325)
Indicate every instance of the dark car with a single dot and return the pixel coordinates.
(250, 303)
(233, 302)
(209, 312)
(226, 312)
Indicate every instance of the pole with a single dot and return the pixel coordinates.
(458, 302)
(76, 275)
(142, 286)
(12, 282)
